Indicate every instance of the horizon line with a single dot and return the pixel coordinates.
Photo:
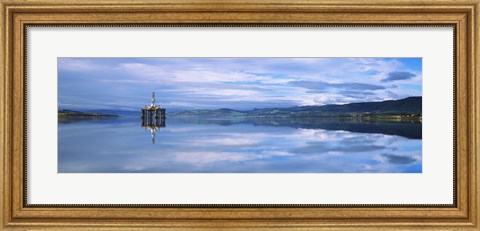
(59, 109)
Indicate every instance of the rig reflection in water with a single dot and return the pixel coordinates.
(153, 117)
(153, 126)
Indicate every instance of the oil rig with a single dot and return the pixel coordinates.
(153, 117)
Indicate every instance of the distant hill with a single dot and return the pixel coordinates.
(71, 113)
(67, 116)
(408, 106)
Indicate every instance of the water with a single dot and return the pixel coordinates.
(200, 145)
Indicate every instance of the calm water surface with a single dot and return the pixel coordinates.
(190, 145)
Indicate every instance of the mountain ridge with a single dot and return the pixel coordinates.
(408, 106)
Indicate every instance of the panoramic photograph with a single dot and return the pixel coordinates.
(239, 115)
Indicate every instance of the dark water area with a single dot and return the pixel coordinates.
(239, 145)
(408, 129)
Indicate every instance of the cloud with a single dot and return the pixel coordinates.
(321, 85)
(357, 94)
(398, 75)
(237, 83)
(325, 147)
(396, 159)
(79, 65)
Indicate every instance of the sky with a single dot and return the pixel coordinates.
(236, 83)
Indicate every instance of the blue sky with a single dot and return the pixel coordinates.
(237, 83)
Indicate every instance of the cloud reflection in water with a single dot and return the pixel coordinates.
(120, 146)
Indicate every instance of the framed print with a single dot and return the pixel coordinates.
(239, 115)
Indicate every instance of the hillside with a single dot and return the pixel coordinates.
(408, 106)
(66, 116)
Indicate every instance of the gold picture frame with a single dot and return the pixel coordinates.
(16, 15)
